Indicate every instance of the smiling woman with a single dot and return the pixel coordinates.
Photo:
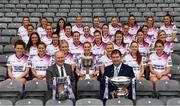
(160, 63)
(17, 63)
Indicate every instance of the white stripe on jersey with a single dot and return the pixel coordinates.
(80, 30)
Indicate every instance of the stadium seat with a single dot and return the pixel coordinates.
(36, 89)
(176, 48)
(173, 102)
(167, 89)
(59, 103)
(29, 102)
(89, 102)
(9, 49)
(175, 72)
(88, 89)
(175, 59)
(4, 40)
(3, 73)
(9, 32)
(11, 90)
(119, 102)
(5, 102)
(3, 60)
(14, 25)
(1, 49)
(144, 89)
(149, 102)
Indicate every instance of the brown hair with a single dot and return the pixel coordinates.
(138, 55)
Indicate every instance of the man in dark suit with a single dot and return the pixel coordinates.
(59, 69)
(118, 69)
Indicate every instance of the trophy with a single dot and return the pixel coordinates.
(60, 93)
(87, 64)
(120, 82)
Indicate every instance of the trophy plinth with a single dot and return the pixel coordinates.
(87, 64)
(120, 82)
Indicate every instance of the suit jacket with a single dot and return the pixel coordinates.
(52, 71)
(124, 71)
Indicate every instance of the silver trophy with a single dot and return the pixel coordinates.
(120, 82)
(87, 64)
(61, 93)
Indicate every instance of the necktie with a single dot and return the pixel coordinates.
(62, 73)
(116, 71)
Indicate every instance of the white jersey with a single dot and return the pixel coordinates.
(46, 40)
(104, 60)
(107, 39)
(70, 59)
(18, 64)
(98, 50)
(76, 50)
(169, 31)
(40, 64)
(61, 33)
(159, 63)
(168, 47)
(22, 32)
(130, 61)
(80, 30)
(51, 50)
(112, 30)
(143, 49)
(128, 39)
(153, 32)
(33, 51)
(92, 30)
(68, 39)
(84, 39)
(42, 32)
(122, 48)
(133, 30)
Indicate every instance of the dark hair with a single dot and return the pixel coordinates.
(143, 27)
(122, 34)
(58, 29)
(125, 23)
(76, 32)
(87, 43)
(159, 41)
(20, 42)
(54, 33)
(31, 25)
(97, 31)
(135, 23)
(140, 30)
(168, 15)
(105, 25)
(29, 44)
(116, 51)
(42, 19)
(138, 55)
(42, 43)
(114, 17)
(26, 17)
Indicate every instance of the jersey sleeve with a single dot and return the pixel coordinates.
(174, 29)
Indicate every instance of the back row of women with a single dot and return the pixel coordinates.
(140, 46)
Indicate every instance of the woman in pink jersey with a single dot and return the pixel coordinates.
(160, 63)
(18, 64)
